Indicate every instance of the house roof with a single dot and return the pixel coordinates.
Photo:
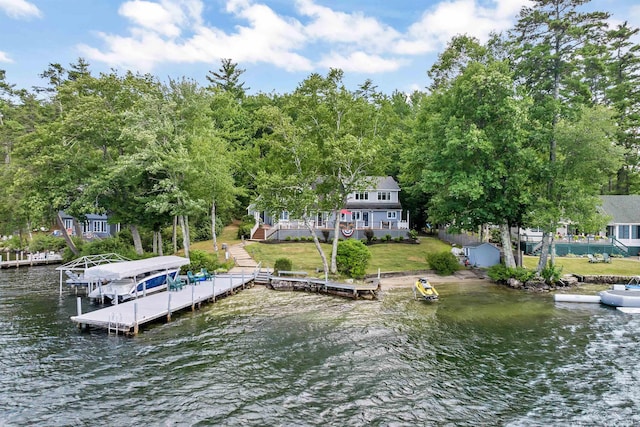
(622, 209)
(384, 183)
(481, 244)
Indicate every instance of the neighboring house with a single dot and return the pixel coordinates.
(377, 208)
(482, 254)
(94, 226)
(624, 223)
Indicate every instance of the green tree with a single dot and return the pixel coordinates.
(549, 42)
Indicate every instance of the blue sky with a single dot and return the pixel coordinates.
(278, 42)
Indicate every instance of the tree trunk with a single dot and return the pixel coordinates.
(154, 243)
(544, 252)
(213, 225)
(175, 234)
(316, 241)
(334, 246)
(505, 237)
(70, 244)
(160, 244)
(137, 241)
(185, 234)
(78, 227)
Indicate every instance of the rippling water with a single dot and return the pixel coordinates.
(483, 355)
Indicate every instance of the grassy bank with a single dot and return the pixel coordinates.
(581, 266)
(384, 256)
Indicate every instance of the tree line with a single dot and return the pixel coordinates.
(524, 130)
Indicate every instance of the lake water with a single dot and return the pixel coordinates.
(482, 355)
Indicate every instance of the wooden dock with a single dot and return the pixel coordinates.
(32, 261)
(360, 291)
(127, 317)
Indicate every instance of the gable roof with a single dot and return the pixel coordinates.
(622, 209)
(384, 183)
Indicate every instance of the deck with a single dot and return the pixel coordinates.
(360, 291)
(127, 317)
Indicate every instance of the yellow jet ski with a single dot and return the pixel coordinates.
(424, 289)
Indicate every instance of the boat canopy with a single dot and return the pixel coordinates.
(121, 270)
(85, 262)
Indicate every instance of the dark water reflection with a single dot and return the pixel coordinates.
(483, 355)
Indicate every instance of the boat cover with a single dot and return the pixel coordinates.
(121, 270)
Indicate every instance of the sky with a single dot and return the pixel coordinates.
(278, 42)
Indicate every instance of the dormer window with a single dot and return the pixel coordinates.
(362, 196)
(384, 195)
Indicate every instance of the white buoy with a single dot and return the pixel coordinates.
(577, 298)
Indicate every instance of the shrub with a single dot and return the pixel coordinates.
(443, 263)
(43, 243)
(325, 235)
(369, 234)
(499, 273)
(201, 259)
(244, 231)
(551, 274)
(412, 234)
(352, 258)
(387, 237)
(108, 245)
(282, 264)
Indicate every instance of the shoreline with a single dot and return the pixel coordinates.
(407, 281)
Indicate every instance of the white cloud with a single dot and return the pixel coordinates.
(360, 62)
(346, 28)
(18, 9)
(450, 18)
(174, 31)
(156, 37)
(4, 57)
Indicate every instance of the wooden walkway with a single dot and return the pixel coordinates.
(127, 317)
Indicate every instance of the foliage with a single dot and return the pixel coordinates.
(551, 273)
(501, 273)
(352, 258)
(246, 224)
(46, 242)
(282, 264)
(108, 245)
(412, 234)
(201, 259)
(444, 263)
(369, 234)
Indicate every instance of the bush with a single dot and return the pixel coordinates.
(499, 273)
(369, 234)
(325, 235)
(43, 243)
(444, 263)
(412, 234)
(282, 264)
(244, 231)
(108, 245)
(551, 274)
(387, 237)
(352, 258)
(201, 259)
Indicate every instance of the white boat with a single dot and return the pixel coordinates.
(74, 270)
(125, 280)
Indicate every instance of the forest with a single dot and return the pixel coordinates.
(526, 129)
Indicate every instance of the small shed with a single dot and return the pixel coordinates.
(482, 254)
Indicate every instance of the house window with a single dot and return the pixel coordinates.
(384, 195)
(635, 231)
(392, 214)
(623, 232)
(99, 226)
(362, 196)
(284, 216)
(356, 216)
(68, 223)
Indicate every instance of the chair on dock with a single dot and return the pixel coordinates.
(204, 272)
(174, 284)
(195, 278)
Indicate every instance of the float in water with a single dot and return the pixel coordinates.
(620, 295)
(425, 290)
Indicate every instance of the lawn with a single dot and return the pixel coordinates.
(582, 266)
(384, 256)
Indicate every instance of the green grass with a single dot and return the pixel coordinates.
(385, 256)
(582, 266)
